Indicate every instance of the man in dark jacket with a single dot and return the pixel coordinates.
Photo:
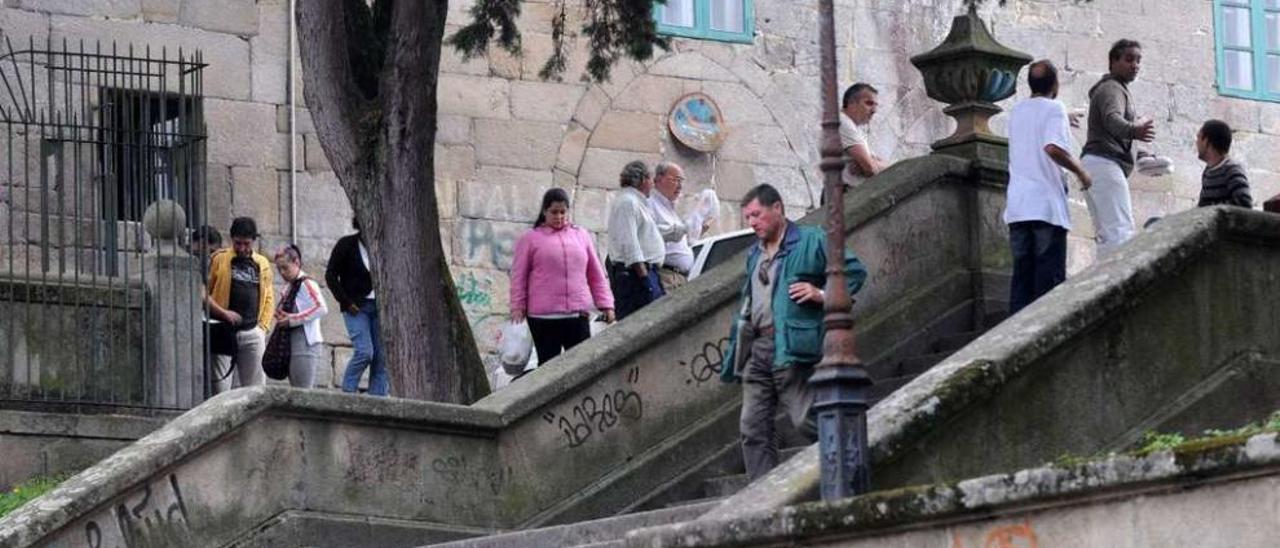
(778, 336)
(348, 279)
(1108, 152)
(1224, 180)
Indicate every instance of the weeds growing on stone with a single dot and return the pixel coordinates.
(13, 499)
(1154, 441)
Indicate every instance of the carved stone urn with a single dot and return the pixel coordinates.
(969, 72)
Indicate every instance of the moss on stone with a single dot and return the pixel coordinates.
(876, 510)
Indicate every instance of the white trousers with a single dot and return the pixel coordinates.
(1109, 203)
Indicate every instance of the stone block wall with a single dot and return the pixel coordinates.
(1176, 86)
(505, 135)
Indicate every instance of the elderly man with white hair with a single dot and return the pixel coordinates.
(668, 181)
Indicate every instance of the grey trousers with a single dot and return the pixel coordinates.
(302, 360)
(764, 390)
(250, 344)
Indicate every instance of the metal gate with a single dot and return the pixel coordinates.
(95, 308)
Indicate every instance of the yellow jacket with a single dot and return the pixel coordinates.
(220, 284)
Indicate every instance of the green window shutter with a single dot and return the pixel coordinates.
(1247, 48)
(702, 27)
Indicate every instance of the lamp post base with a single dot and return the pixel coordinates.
(840, 410)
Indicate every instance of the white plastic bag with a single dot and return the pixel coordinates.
(706, 208)
(515, 348)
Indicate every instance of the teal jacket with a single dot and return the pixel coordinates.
(798, 327)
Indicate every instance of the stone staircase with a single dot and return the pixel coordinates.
(710, 484)
(632, 425)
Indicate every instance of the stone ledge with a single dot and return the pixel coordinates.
(220, 416)
(107, 427)
(880, 512)
(17, 290)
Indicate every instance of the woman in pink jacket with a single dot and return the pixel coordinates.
(556, 279)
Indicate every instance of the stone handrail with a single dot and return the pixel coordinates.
(965, 509)
(1034, 342)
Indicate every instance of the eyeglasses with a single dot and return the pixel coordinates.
(763, 272)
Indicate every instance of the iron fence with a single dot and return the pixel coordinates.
(94, 308)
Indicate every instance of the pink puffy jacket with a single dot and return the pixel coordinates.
(557, 272)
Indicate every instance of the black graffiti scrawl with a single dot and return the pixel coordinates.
(147, 522)
(598, 413)
(707, 363)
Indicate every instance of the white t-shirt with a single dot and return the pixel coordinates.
(364, 258)
(852, 134)
(1037, 186)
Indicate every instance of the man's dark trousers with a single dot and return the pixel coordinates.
(632, 292)
(764, 390)
(1039, 261)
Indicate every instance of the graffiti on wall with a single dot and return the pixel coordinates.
(598, 413)
(378, 462)
(474, 291)
(157, 515)
(487, 245)
(706, 364)
(478, 294)
(459, 472)
(1017, 535)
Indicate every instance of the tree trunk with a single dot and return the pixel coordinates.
(382, 150)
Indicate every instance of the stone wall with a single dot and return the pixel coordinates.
(52, 444)
(75, 343)
(505, 135)
(1176, 86)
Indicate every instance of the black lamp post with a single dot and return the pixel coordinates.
(840, 382)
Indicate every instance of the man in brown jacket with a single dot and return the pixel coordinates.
(1108, 152)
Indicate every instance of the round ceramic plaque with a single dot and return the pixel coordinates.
(696, 122)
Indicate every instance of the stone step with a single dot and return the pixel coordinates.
(617, 543)
(948, 344)
(697, 502)
(590, 533)
(992, 319)
(994, 312)
(724, 486)
(916, 365)
(882, 388)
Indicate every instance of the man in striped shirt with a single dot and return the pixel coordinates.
(1224, 180)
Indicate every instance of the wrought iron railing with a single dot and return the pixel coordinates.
(93, 309)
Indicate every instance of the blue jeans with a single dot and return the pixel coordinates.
(1039, 261)
(367, 351)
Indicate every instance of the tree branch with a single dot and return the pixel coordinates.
(614, 28)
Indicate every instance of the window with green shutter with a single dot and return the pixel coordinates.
(1247, 38)
(722, 20)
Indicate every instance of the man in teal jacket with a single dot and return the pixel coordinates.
(777, 338)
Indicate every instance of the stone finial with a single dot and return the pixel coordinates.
(969, 72)
(165, 220)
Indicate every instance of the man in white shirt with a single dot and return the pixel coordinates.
(858, 106)
(1040, 146)
(635, 246)
(668, 181)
